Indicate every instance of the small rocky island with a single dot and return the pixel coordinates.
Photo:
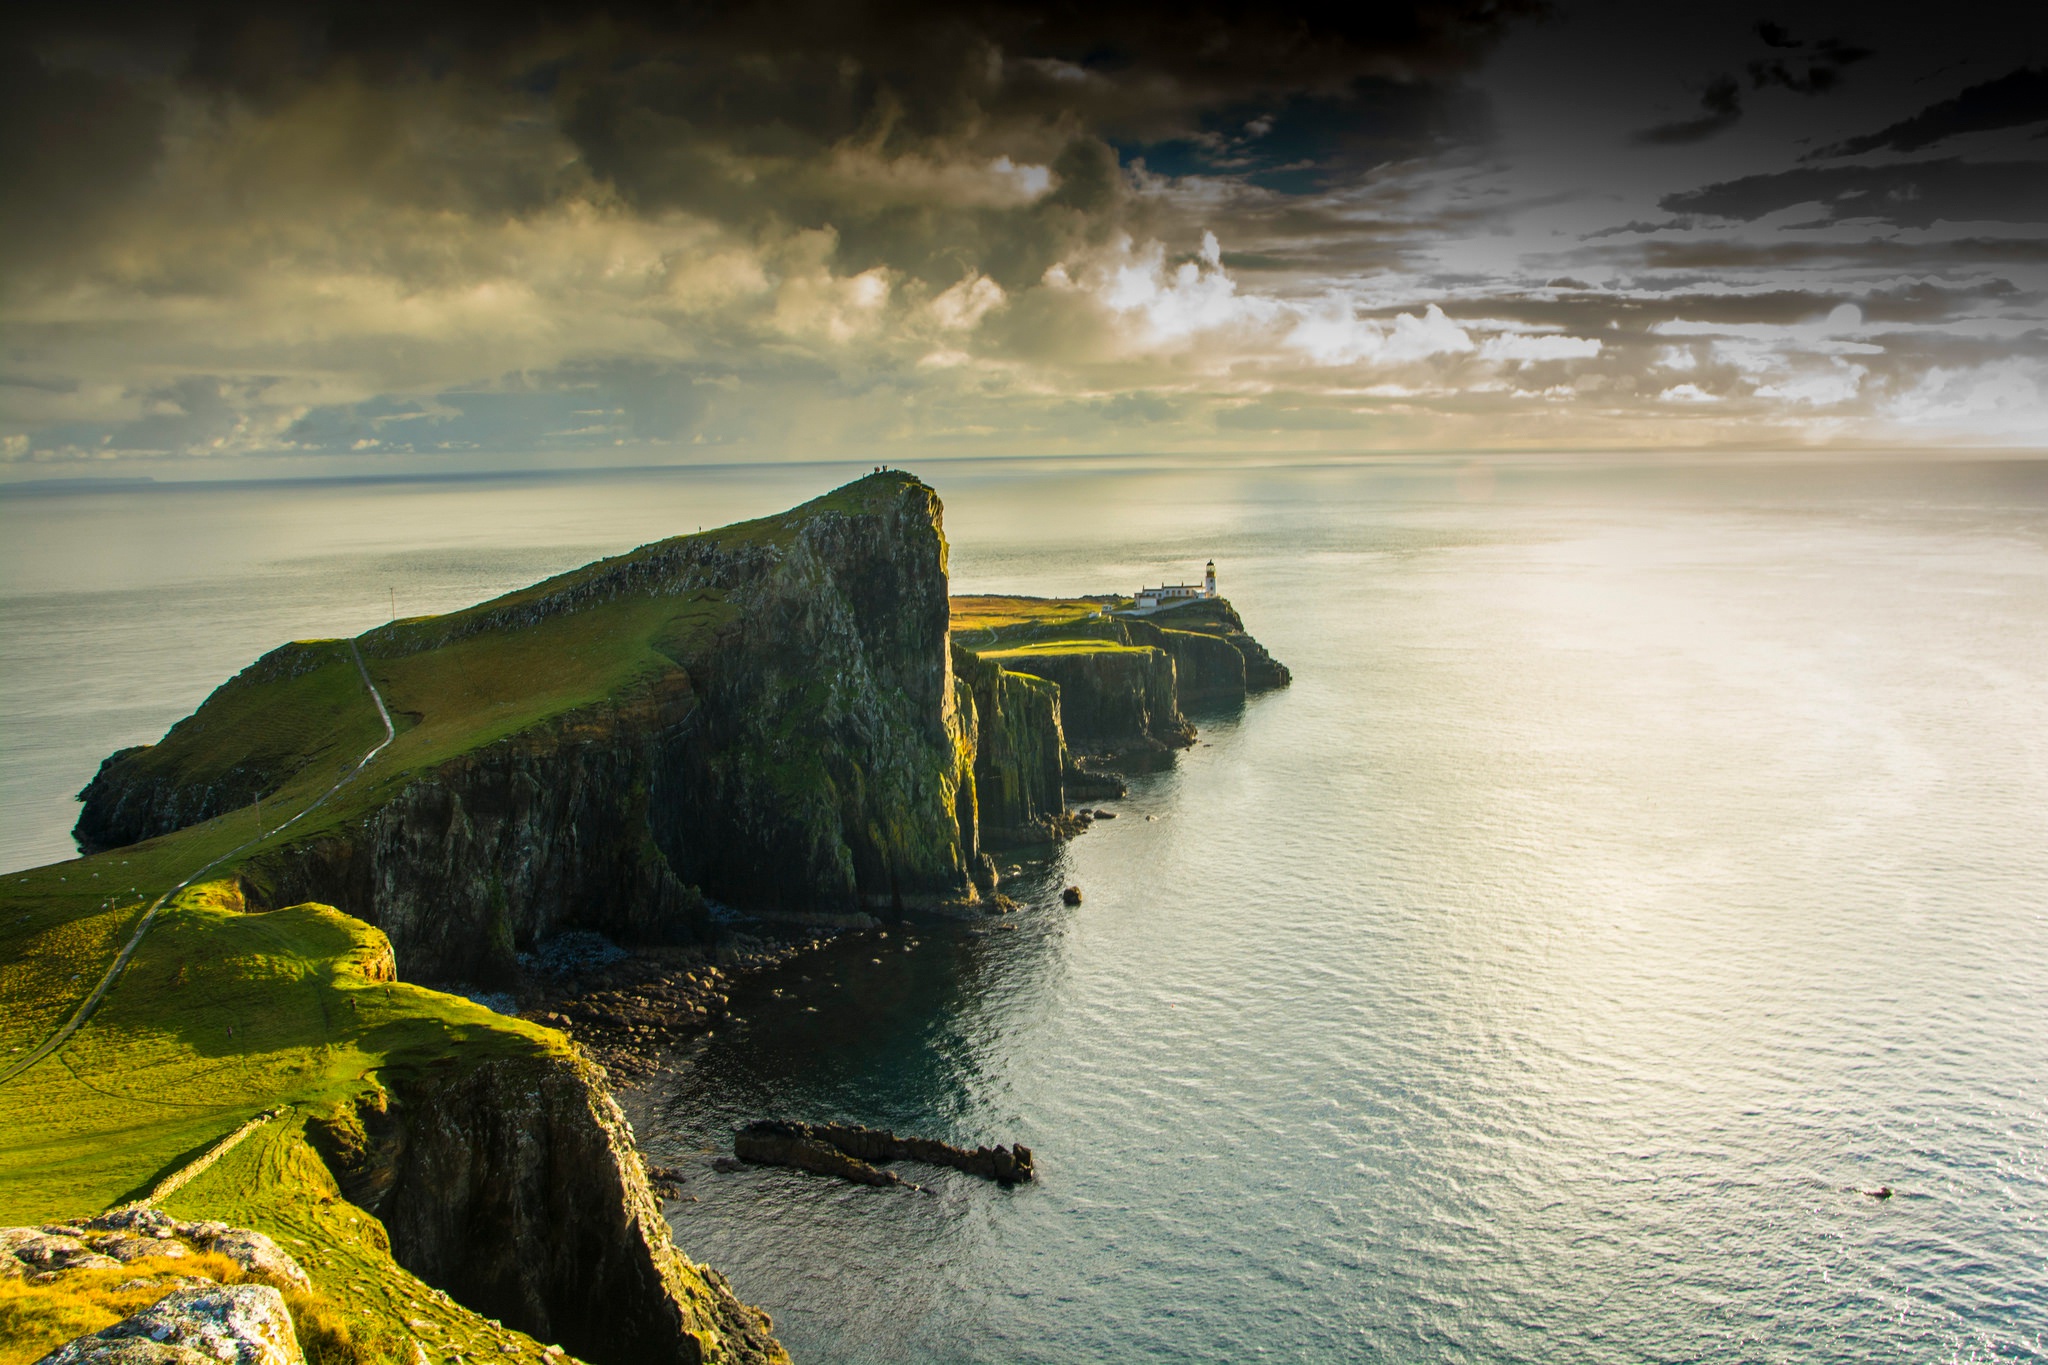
(787, 720)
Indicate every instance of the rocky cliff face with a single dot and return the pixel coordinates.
(808, 756)
(1020, 750)
(1123, 701)
(483, 855)
(1124, 704)
(515, 1187)
(1205, 667)
(144, 791)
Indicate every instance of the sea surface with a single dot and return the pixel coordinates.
(1647, 858)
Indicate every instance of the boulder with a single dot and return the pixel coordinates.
(124, 1247)
(140, 1219)
(238, 1324)
(252, 1251)
(132, 1351)
(37, 1249)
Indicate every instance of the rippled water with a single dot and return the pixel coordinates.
(1643, 860)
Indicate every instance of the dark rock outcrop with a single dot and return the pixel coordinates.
(850, 1151)
(1020, 750)
(515, 1186)
(1215, 617)
(490, 852)
(1121, 701)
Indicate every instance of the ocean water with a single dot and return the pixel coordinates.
(1645, 859)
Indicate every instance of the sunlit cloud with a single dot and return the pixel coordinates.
(979, 235)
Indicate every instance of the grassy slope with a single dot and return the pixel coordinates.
(1013, 631)
(303, 731)
(155, 1078)
(973, 615)
(1040, 648)
(444, 701)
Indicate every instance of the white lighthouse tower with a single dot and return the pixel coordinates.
(1209, 580)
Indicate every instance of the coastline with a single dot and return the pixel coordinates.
(677, 754)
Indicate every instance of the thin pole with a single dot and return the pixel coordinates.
(394, 606)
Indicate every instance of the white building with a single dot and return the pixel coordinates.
(1173, 594)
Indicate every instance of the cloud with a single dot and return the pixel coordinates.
(1806, 68)
(2013, 100)
(1916, 194)
(1525, 349)
(330, 232)
(1721, 99)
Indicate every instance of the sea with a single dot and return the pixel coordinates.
(1649, 860)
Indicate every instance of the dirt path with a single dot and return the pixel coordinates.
(99, 992)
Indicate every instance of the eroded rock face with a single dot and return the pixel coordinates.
(516, 1188)
(812, 759)
(1020, 751)
(250, 1250)
(1116, 701)
(245, 1324)
(132, 1234)
(129, 1351)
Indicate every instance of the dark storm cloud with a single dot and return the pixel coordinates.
(658, 224)
(1875, 253)
(1919, 194)
(1722, 102)
(72, 144)
(1588, 310)
(2013, 100)
(1805, 68)
(757, 115)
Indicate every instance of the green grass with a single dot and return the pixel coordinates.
(1041, 648)
(156, 1075)
(977, 614)
(155, 1078)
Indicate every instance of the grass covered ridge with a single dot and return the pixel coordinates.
(156, 1078)
(290, 724)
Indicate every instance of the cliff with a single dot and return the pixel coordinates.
(501, 1170)
(1114, 699)
(1122, 679)
(514, 1185)
(1020, 751)
(765, 715)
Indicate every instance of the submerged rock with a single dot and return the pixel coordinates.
(769, 1143)
(846, 1151)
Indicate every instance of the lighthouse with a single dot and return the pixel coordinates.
(1209, 580)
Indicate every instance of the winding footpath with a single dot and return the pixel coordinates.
(99, 992)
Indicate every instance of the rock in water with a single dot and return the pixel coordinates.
(845, 1150)
(1072, 895)
(792, 1144)
(246, 1324)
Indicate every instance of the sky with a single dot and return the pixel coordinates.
(248, 237)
